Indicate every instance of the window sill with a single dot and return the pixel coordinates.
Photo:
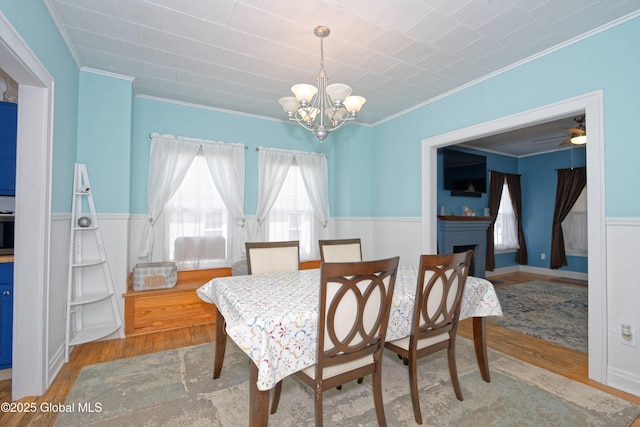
(504, 251)
(576, 253)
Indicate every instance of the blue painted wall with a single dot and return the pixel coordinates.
(31, 19)
(104, 135)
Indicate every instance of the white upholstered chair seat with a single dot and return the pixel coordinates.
(425, 342)
(332, 371)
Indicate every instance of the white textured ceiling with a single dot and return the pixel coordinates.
(244, 55)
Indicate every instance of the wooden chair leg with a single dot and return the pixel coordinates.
(453, 369)
(276, 397)
(221, 344)
(377, 398)
(318, 401)
(413, 385)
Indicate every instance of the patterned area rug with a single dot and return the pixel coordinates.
(175, 388)
(549, 311)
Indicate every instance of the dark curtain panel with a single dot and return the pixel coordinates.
(513, 181)
(570, 185)
(495, 193)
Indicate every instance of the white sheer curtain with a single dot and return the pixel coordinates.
(574, 227)
(273, 167)
(313, 168)
(169, 162)
(226, 166)
(505, 232)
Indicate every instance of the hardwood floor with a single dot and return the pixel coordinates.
(557, 359)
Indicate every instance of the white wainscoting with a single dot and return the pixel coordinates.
(383, 237)
(623, 302)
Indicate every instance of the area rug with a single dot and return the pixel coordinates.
(549, 311)
(175, 388)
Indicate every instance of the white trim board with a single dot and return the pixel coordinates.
(30, 370)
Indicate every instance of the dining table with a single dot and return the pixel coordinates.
(273, 318)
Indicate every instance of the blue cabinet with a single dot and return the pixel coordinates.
(6, 314)
(8, 134)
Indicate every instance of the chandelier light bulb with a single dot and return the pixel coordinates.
(304, 92)
(289, 104)
(338, 92)
(354, 103)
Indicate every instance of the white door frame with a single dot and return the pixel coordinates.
(30, 371)
(592, 105)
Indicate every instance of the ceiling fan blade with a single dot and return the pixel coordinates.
(565, 142)
(575, 130)
(547, 139)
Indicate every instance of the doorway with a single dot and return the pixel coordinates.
(30, 370)
(591, 104)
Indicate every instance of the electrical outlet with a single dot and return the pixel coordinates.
(630, 340)
(543, 256)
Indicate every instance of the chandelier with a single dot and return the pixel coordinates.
(323, 108)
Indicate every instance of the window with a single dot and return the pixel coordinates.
(293, 198)
(292, 216)
(574, 227)
(505, 231)
(197, 226)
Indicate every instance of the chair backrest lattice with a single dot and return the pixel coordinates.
(441, 281)
(355, 301)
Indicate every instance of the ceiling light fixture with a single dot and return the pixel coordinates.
(579, 136)
(311, 104)
(579, 140)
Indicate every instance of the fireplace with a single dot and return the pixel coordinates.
(464, 248)
(461, 233)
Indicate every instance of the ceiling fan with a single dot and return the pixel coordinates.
(578, 135)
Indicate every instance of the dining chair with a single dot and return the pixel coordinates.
(340, 250)
(441, 281)
(272, 257)
(262, 257)
(355, 301)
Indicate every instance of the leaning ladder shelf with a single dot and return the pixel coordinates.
(88, 259)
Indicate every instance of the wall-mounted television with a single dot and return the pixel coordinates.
(465, 174)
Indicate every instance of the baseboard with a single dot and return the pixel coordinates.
(55, 365)
(623, 380)
(5, 374)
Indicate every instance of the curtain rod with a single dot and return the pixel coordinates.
(152, 134)
(258, 148)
